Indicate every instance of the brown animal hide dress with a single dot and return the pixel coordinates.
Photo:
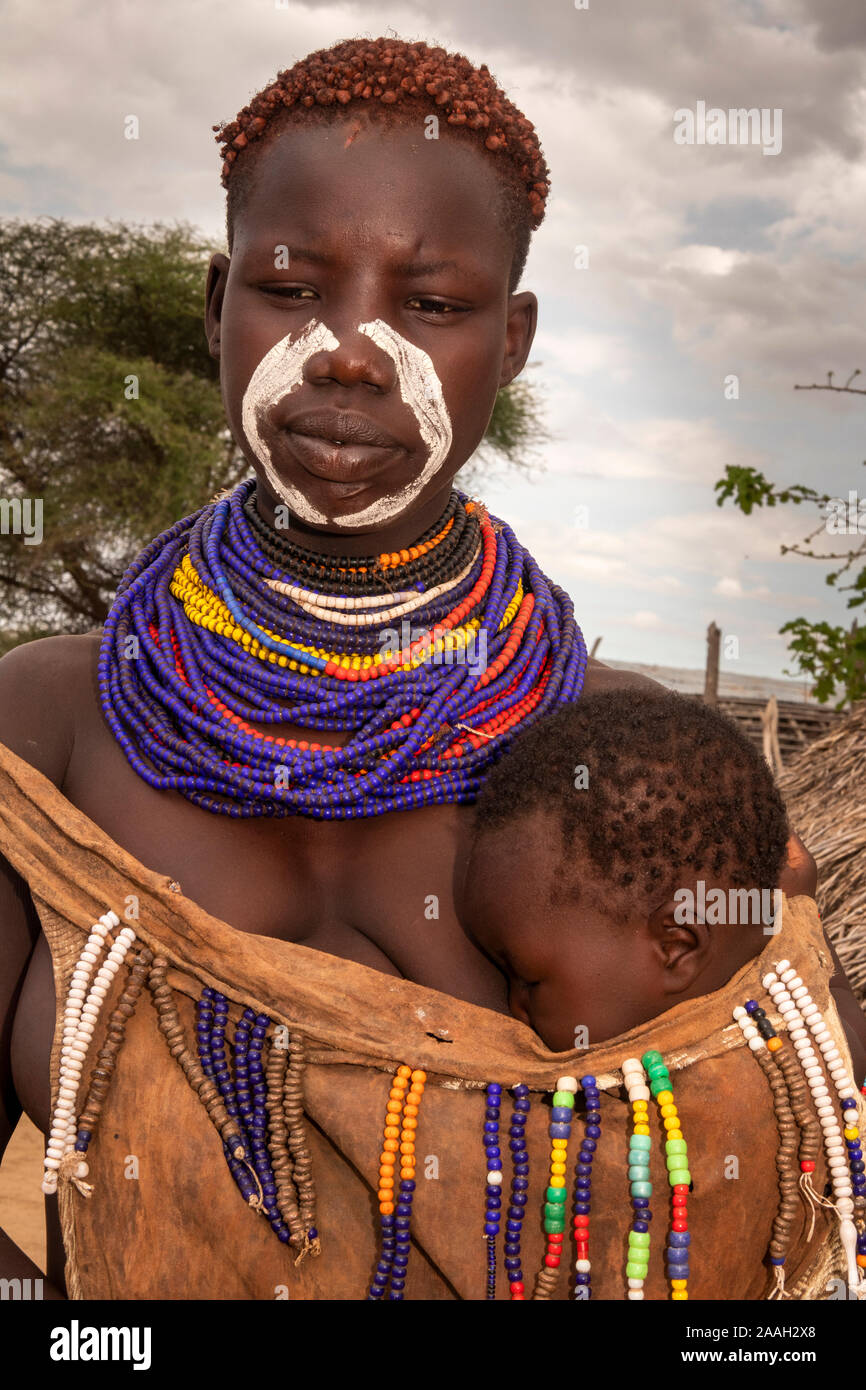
(173, 1224)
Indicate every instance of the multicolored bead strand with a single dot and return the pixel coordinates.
(519, 1193)
(640, 1184)
(493, 1158)
(554, 1217)
(800, 1012)
(219, 650)
(401, 1122)
(583, 1184)
(679, 1177)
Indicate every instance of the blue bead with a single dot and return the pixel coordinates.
(640, 1202)
(512, 1264)
(678, 1271)
(561, 1114)
(640, 1225)
(589, 1145)
(582, 1208)
(582, 1279)
(588, 1083)
(584, 1170)
(675, 1256)
(592, 1117)
(751, 1005)
(494, 1089)
(593, 1132)
(520, 1184)
(858, 1166)
(560, 1131)
(519, 1199)
(680, 1238)
(491, 1228)
(490, 1127)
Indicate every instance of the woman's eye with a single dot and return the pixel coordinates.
(286, 291)
(434, 306)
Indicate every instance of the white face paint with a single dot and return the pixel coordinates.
(281, 372)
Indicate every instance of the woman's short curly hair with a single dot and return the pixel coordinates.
(394, 81)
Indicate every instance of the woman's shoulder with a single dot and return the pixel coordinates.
(600, 678)
(44, 686)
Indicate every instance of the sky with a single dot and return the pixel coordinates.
(701, 261)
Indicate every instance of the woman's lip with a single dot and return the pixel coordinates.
(340, 463)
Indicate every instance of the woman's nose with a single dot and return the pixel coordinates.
(356, 360)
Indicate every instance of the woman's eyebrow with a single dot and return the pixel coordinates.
(408, 269)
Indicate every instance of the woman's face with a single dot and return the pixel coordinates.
(364, 323)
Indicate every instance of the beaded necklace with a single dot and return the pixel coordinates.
(802, 1016)
(201, 644)
(679, 1177)
(640, 1185)
(395, 1203)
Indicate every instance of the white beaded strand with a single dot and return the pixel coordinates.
(320, 606)
(79, 1022)
(776, 983)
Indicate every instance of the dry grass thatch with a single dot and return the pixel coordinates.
(825, 792)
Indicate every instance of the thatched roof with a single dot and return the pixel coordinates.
(825, 792)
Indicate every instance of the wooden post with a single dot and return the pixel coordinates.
(770, 726)
(711, 678)
(595, 646)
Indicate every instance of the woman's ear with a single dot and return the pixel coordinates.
(680, 944)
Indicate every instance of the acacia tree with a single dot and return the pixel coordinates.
(111, 413)
(833, 655)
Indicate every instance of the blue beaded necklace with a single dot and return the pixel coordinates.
(178, 697)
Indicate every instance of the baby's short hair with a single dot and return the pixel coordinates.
(647, 787)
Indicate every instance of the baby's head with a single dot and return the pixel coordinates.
(381, 199)
(610, 851)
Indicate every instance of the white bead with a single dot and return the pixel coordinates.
(813, 1071)
(582, 1266)
(639, 1093)
(786, 976)
(805, 1002)
(635, 1283)
(756, 1044)
(799, 991)
(769, 980)
(750, 1031)
(566, 1083)
(820, 1090)
(49, 1187)
(836, 1147)
(850, 1117)
(782, 965)
(740, 1012)
(51, 1162)
(494, 1179)
(635, 1295)
(633, 1078)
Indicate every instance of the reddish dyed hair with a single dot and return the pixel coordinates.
(392, 80)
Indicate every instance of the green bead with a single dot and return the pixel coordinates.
(638, 1238)
(634, 1271)
(659, 1085)
(657, 1069)
(554, 1228)
(556, 1196)
(563, 1098)
(675, 1161)
(640, 1141)
(640, 1157)
(651, 1059)
(679, 1175)
(638, 1172)
(641, 1189)
(676, 1146)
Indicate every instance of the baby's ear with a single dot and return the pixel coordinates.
(681, 943)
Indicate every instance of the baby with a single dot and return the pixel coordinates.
(625, 857)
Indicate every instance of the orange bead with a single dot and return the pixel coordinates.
(773, 1044)
(386, 1208)
(410, 1122)
(385, 1181)
(410, 1110)
(397, 1093)
(390, 1145)
(419, 1076)
(392, 1131)
(407, 1148)
(393, 1107)
(404, 1071)
(406, 1174)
